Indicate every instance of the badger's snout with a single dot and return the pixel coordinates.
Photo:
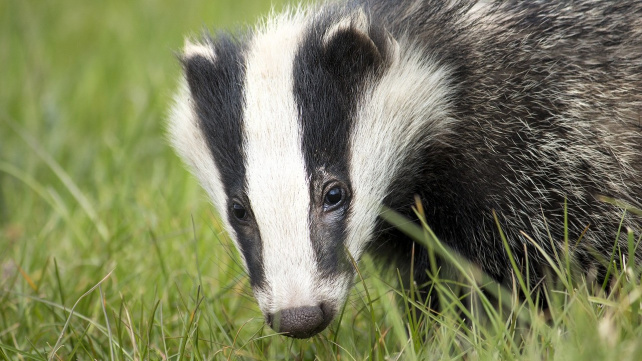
(301, 322)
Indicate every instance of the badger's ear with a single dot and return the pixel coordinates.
(193, 49)
(355, 47)
(198, 61)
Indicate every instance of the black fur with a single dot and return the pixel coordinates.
(327, 79)
(217, 90)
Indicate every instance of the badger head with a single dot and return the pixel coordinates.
(296, 132)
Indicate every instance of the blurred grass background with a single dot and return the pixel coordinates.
(89, 188)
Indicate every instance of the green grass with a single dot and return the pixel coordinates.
(110, 250)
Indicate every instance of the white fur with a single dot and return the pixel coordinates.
(191, 49)
(406, 109)
(187, 139)
(277, 183)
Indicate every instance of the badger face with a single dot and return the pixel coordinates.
(295, 134)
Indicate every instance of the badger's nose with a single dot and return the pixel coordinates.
(300, 322)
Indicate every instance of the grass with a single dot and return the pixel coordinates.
(110, 251)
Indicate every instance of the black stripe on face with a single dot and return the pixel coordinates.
(329, 73)
(217, 90)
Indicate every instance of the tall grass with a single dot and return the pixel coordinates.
(110, 251)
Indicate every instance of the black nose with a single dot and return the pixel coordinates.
(300, 322)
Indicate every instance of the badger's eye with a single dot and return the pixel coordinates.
(239, 211)
(333, 197)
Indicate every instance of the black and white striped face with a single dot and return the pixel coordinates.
(295, 134)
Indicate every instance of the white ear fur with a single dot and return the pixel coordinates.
(392, 49)
(191, 49)
(359, 22)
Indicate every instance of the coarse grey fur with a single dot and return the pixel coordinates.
(514, 107)
(548, 103)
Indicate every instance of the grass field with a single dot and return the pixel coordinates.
(110, 250)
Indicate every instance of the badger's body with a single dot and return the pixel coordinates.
(302, 128)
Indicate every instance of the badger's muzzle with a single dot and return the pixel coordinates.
(301, 322)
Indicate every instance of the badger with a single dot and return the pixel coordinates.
(303, 129)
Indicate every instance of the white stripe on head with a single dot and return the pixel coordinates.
(405, 109)
(277, 182)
